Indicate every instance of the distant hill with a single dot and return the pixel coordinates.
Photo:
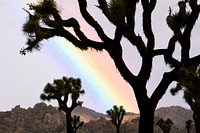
(47, 119)
(87, 114)
(177, 114)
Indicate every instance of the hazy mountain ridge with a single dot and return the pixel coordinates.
(47, 119)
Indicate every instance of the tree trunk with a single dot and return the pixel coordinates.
(146, 123)
(147, 109)
(196, 118)
(188, 130)
(118, 129)
(68, 122)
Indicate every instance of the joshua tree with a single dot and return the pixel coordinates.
(76, 123)
(165, 125)
(60, 90)
(190, 83)
(45, 22)
(116, 114)
(188, 125)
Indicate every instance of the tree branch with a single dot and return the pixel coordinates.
(125, 29)
(84, 45)
(194, 61)
(157, 52)
(90, 20)
(170, 50)
(185, 39)
(160, 90)
(130, 13)
(56, 28)
(118, 35)
(123, 69)
(145, 70)
(72, 22)
(147, 26)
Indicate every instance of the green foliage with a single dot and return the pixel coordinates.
(117, 10)
(31, 25)
(43, 7)
(178, 20)
(60, 90)
(189, 82)
(40, 12)
(165, 125)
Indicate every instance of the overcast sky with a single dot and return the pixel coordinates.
(22, 78)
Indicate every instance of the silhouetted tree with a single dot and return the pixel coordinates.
(76, 123)
(60, 90)
(116, 114)
(45, 22)
(165, 125)
(188, 125)
(190, 83)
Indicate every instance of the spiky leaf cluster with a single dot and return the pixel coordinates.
(43, 7)
(189, 81)
(33, 26)
(117, 10)
(178, 20)
(60, 90)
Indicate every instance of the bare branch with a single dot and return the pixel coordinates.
(170, 50)
(118, 35)
(82, 44)
(157, 52)
(90, 20)
(160, 90)
(147, 26)
(195, 61)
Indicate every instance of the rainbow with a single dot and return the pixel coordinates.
(101, 81)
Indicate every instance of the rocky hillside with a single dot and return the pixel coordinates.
(177, 114)
(87, 114)
(47, 119)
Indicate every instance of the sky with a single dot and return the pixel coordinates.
(22, 78)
